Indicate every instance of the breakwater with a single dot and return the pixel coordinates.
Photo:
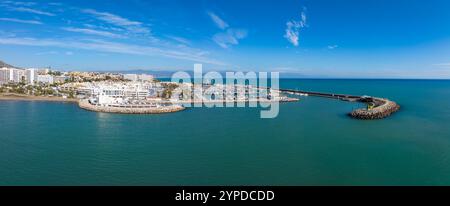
(377, 108)
(130, 110)
(383, 109)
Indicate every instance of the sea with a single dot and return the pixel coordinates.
(310, 142)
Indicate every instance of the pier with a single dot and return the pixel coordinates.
(377, 108)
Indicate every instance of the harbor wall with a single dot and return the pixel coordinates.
(382, 107)
(379, 112)
(84, 104)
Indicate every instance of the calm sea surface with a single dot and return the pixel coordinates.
(311, 142)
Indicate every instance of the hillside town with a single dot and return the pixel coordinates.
(47, 82)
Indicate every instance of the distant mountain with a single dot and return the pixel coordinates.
(168, 73)
(155, 73)
(3, 64)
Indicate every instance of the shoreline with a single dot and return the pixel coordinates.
(378, 112)
(24, 97)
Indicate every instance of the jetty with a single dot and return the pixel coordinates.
(377, 108)
(130, 109)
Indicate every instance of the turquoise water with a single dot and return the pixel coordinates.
(311, 142)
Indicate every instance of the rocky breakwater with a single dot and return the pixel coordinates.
(130, 110)
(381, 109)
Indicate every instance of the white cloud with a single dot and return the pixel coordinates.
(69, 53)
(33, 11)
(293, 28)
(112, 47)
(131, 26)
(20, 3)
(93, 32)
(21, 21)
(180, 40)
(218, 21)
(331, 47)
(46, 53)
(55, 4)
(111, 28)
(230, 37)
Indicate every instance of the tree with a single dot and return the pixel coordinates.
(168, 89)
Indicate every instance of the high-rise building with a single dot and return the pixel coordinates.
(31, 75)
(17, 75)
(4, 75)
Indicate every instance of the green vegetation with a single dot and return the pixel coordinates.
(55, 73)
(168, 89)
(21, 88)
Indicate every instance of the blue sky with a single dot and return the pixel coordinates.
(311, 38)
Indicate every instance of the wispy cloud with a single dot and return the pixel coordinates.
(331, 47)
(46, 53)
(230, 37)
(112, 47)
(68, 53)
(131, 26)
(19, 3)
(93, 32)
(179, 40)
(110, 28)
(33, 11)
(218, 21)
(293, 28)
(55, 4)
(21, 21)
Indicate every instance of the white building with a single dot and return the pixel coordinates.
(31, 75)
(12, 75)
(116, 93)
(60, 79)
(4, 75)
(43, 71)
(138, 77)
(145, 77)
(17, 75)
(46, 79)
(132, 77)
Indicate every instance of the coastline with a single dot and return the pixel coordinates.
(24, 97)
(381, 111)
(83, 104)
